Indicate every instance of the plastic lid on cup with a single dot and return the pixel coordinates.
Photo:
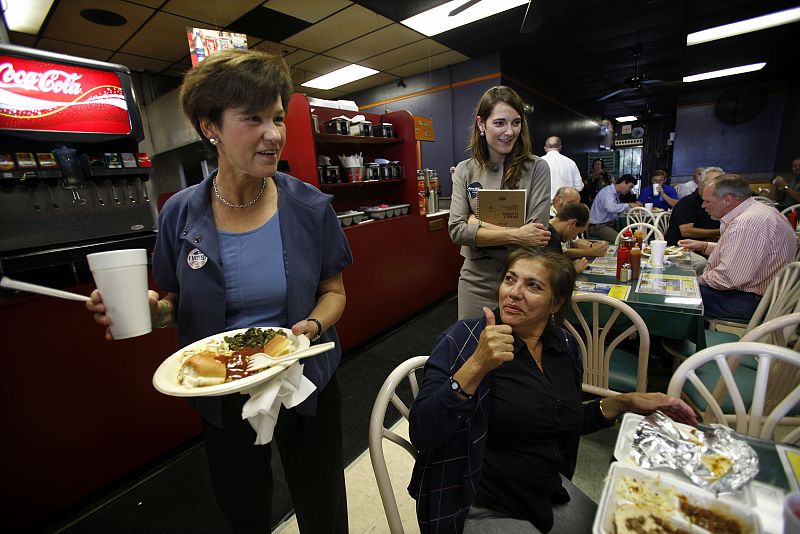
(117, 258)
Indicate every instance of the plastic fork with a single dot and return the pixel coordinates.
(259, 360)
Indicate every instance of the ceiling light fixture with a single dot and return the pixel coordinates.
(339, 77)
(103, 17)
(724, 72)
(437, 19)
(626, 118)
(744, 26)
(26, 16)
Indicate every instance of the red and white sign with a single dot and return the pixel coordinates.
(43, 96)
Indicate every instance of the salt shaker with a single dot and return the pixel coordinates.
(625, 273)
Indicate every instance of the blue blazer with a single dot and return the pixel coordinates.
(314, 248)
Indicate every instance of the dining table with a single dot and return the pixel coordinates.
(668, 314)
(762, 496)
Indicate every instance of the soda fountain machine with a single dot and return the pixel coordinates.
(72, 180)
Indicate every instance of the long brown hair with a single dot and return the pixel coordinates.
(520, 155)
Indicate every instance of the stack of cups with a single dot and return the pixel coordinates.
(121, 278)
(657, 249)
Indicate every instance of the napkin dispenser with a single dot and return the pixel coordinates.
(384, 129)
(338, 126)
(363, 128)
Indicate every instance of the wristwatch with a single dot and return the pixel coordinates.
(456, 388)
(319, 329)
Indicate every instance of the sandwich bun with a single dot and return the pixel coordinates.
(202, 369)
(279, 345)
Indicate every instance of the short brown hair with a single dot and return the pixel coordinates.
(520, 155)
(562, 276)
(233, 78)
(574, 210)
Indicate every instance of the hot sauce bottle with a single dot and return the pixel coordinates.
(623, 255)
(636, 262)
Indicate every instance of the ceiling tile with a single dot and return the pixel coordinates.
(337, 29)
(326, 94)
(148, 3)
(216, 15)
(22, 39)
(374, 43)
(72, 49)
(405, 54)
(424, 65)
(321, 64)
(297, 56)
(274, 48)
(139, 63)
(309, 10)
(365, 83)
(163, 37)
(66, 23)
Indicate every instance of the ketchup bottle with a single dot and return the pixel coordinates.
(636, 262)
(792, 215)
(623, 255)
(627, 240)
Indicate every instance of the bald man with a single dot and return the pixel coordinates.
(563, 170)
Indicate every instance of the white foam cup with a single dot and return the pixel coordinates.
(791, 513)
(656, 189)
(648, 206)
(121, 278)
(657, 249)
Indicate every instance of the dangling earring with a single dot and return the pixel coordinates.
(553, 318)
(482, 133)
(213, 141)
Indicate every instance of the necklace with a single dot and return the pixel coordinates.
(231, 204)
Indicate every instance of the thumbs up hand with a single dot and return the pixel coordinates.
(496, 344)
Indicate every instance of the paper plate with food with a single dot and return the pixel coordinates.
(218, 364)
(635, 500)
(670, 252)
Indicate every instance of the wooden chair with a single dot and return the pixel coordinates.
(757, 400)
(662, 221)
(378, 431)
(607, 369)
(651, 232)
(637, 214)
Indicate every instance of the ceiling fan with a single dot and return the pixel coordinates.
(638, 82)
(530, 22)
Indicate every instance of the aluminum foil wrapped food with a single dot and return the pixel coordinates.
(715, 460)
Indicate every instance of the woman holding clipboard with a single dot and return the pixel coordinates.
(500, 144)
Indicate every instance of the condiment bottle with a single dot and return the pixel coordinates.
(638, 234)
(627, 240)
(636, 262)
(792, 215)
(623, 255)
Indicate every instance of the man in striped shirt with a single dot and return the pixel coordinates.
(756, 242)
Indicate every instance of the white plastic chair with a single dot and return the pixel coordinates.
(776, 390)
(378, 431)
(765, 200)
(781, 297)
(638, 214)
(602, 362)
(790, 209)
(652, 232)
(662, 221)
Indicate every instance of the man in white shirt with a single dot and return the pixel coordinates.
(687, 188)
(563, 170)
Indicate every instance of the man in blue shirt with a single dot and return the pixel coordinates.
(607, 207)
(661, 195)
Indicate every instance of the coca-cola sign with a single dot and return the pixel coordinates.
(43, 96)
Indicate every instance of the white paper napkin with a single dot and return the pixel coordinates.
(264, 405)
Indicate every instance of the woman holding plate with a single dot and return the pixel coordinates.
(250, 246)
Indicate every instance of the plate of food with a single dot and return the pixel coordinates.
(670, 252)
(217, 365)
(636, 500)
